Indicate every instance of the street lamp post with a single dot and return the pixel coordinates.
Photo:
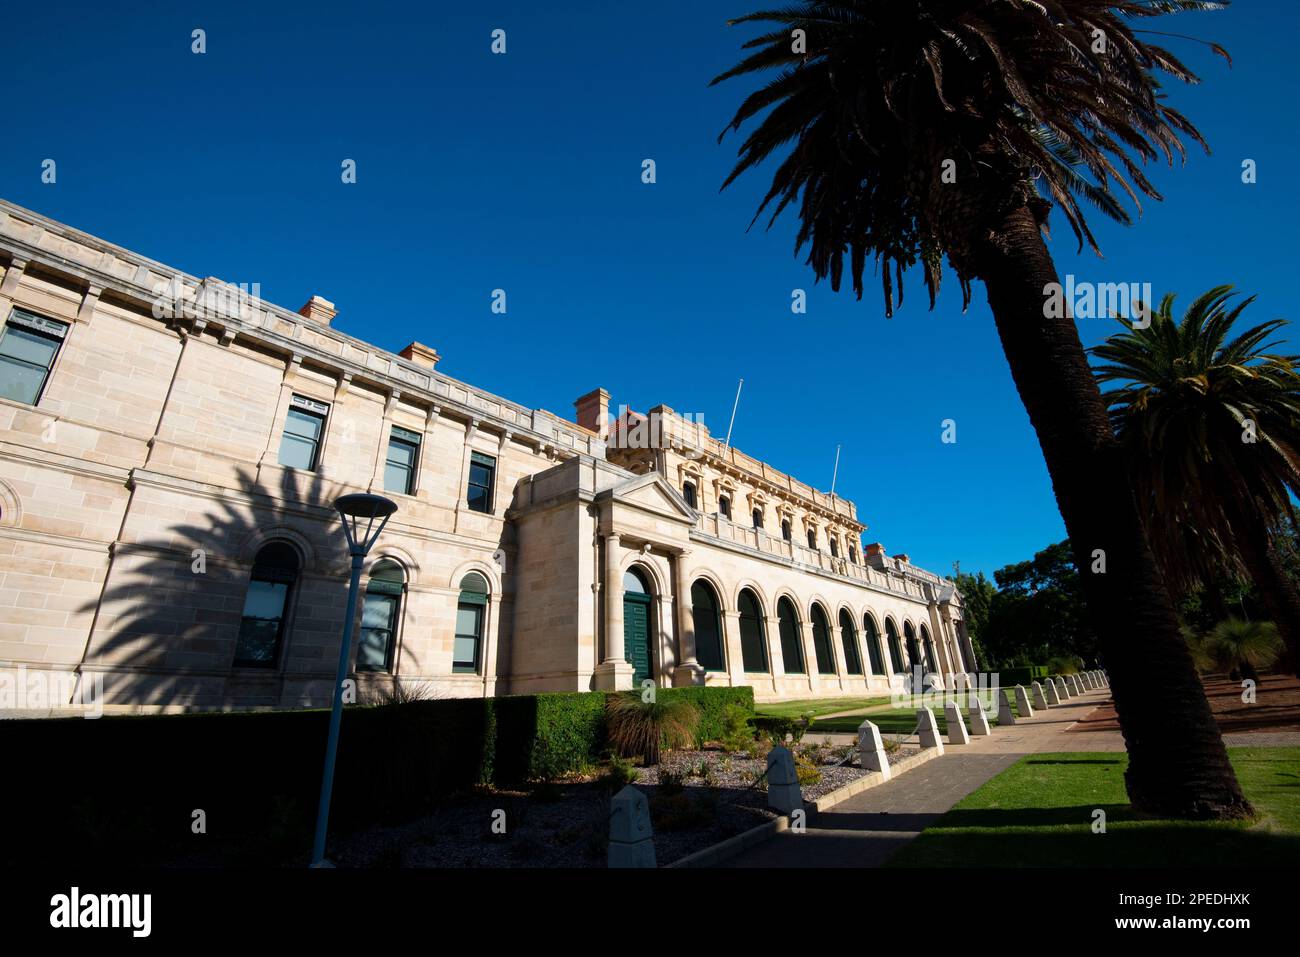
(354, 510)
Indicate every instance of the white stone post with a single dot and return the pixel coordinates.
(956, 726)
(871, 751)
(783, 794)
(1063, 689)
(979, 722)
(631, 836)
(1022, 701)
(615, 672)
(1053, 696)
(928, 730)
(1005, 715)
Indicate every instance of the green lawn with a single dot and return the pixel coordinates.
(817, 706)
(893, 720)
(1039, 813)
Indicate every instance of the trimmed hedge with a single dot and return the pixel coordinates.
(1021, 675)
(712, 704)
(126, 787)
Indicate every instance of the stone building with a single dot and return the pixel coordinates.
(170, 448)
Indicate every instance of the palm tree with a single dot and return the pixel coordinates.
(923, 129)
(1212, 430)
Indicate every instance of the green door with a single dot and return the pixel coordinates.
(636, 635)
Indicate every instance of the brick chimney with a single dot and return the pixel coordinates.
(319, 310)
(421, 355)
(593, 412)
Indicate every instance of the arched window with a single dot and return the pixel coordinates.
(724, 507)
(927, 647)
(895, 650)
(909, 642)
(688, 493)
(849, 636)
(872, 637)
(785, 529)
(758, 518)
(835, 547)
(791, 644)
(822, 641)
(380, 614)
(266, 605)
(636, 625)
(471, 612)
(753, 639)
(812, 538)
(853, 553)
(707, 616)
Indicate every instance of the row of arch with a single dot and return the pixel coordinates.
(891, 650)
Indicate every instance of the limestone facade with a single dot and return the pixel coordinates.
(170, 448)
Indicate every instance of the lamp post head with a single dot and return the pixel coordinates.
(359, 512)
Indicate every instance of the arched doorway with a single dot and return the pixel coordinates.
(872, 637)
(822, 641)
(636, 625)
(895, 650)
(849, 635)
(791, 646)
(707, 617)
(753, 640)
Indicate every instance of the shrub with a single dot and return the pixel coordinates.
(676, 812)
(806, 770)
(620, 774)
(774, 729)
(671, 782)
(639, 727)
(737, 735)
(711, 703)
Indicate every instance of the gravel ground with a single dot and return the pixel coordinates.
(567, 824)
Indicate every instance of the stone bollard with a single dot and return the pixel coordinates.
(1063, 689)
(979, 721)
(631, 837)
(1005, 715)
(1022, 702)
(1076, 685)
(1040, 696)
(956, 726)
(1053, 695)
(1086, 679)
(928, 730)
(871, 752)
(783, 794)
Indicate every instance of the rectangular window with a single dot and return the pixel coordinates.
(262, 624)
(399, 467)
(469, 633)
(482, 475)
(303, 428)
(28, 345)
(378, 625)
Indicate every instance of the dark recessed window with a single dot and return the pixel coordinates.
(28, 345)
(758, 518)
(724, 507)
(380, 614)
(261, 629)
(853, 553)
(835, 547)
(399, 467)
(482, 476)
(812, 538)
(785, 529)
(688, 493)
(304, 425)
(471, 611)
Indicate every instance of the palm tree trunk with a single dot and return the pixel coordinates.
(1178, 765)
(1275, 588)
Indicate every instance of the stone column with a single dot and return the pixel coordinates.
(614, 673)
(688, 671)
(810, 654)
(837, 652)
(775, 657)
(731, 641)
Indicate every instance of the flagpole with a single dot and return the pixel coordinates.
(734, 406)
(836, 474)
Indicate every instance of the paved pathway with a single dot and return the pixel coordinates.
(868, 829)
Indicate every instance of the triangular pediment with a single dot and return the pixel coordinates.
(653, 493)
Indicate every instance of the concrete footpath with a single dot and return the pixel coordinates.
(868, 829)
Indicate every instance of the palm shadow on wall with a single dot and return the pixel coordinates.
(171, 615)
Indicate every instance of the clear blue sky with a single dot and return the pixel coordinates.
(522, 172)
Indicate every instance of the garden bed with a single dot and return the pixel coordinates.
(698, 798)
